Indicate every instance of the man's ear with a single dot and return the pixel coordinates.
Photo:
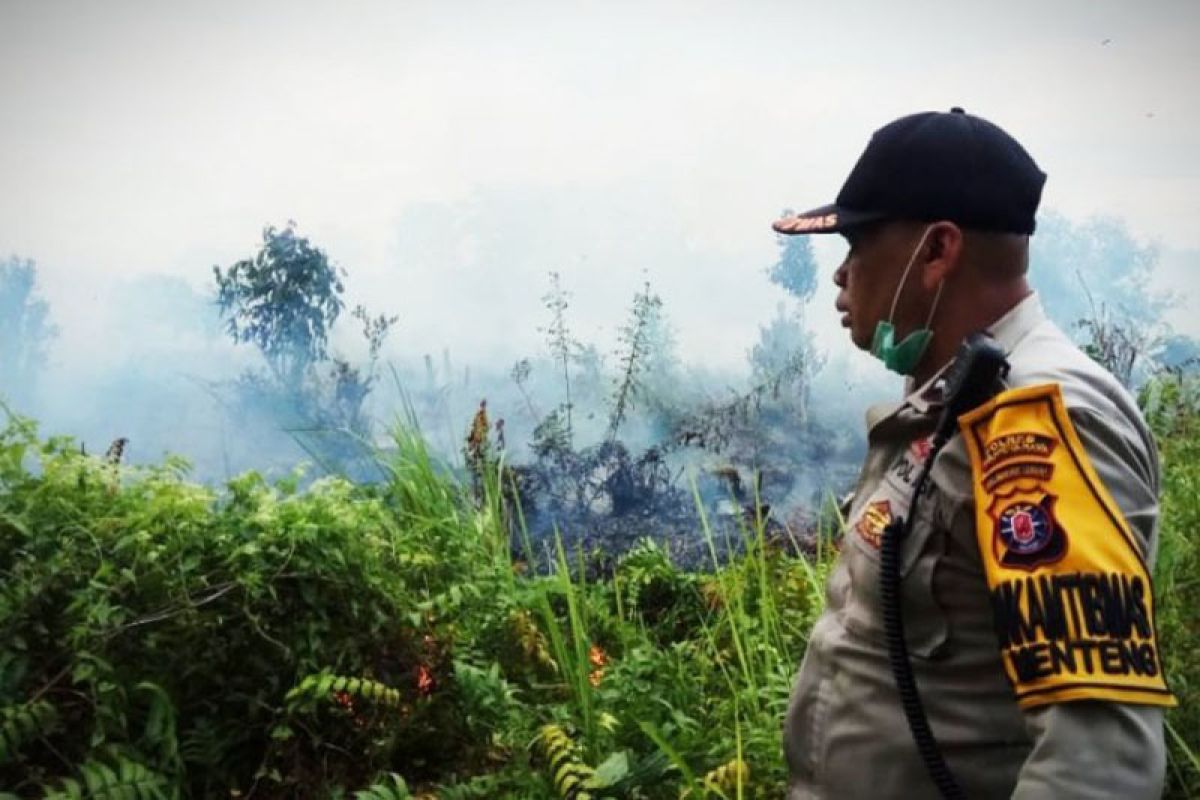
(943, 250)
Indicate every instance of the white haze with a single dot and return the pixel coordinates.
(450, 155)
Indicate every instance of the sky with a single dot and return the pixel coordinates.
(449, 156)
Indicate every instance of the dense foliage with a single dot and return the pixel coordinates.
(173, 641)
(161, 639)
(1172, 405)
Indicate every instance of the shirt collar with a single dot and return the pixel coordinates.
(929, 394)
(922, 400)
(1008, 331)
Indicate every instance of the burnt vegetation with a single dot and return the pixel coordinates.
(605, 467)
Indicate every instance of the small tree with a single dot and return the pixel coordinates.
(1118, 345)
(1078, 265)
(796, 270)
(25, 329)
(284, 300)
(558, 336)
(632, 354)
(350, 385)
(784, 360)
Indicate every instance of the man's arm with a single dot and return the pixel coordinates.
(1093, 748)
(1067, 541)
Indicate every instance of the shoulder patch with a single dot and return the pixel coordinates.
(1071, 597)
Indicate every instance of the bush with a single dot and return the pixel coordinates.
(166, 623)
(161, 639)
(1172, 405)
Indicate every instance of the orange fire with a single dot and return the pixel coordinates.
(597, 656)
(425, 681)
(598, 659)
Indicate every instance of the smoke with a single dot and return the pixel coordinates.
(148, 358)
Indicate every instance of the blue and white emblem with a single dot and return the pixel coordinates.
(1026, 534)
(1025, 528)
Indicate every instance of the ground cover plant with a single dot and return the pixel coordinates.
(163, 639)
(1172, 405)
(160, 638)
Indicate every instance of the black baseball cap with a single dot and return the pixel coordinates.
(933, 166)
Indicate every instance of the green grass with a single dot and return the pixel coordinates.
(1173, 408)
(186, 642)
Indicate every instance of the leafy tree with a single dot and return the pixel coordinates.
(1078, 266)
(1094, 279)
(796, 270)
(284, 300)
(1179, 352)
(784, 360)
(662, 348)
(25, 329)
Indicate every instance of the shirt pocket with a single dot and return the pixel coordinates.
(925, 623)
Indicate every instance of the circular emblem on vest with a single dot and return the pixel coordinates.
(1025, 528)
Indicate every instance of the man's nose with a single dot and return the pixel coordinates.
(839, 275)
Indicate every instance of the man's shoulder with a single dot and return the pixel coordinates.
(1104, 413)
(1046, 355)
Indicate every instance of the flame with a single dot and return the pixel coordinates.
(425, 681)
(597, 656)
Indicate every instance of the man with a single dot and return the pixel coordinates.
(1024, 578)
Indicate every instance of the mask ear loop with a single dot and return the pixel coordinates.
(904, 279)
(936, 298)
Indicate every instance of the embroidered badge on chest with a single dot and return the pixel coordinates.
(876, 517)
(893, 495)
(1026, 533)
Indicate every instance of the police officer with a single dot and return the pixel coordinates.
(1024, 582)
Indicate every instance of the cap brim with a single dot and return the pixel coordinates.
(826, 219)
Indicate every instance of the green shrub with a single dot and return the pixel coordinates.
(159, 638)
(1172, 405)
(171, 621)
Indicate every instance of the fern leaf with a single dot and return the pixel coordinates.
(69, 789)
(129, 780)
(728, 776)
(160, 735)
(572, 777)
(98, 777)
(323, 686)
(481, 787)
(21, 724)
(393, 788)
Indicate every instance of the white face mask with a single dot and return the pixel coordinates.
(904, 357)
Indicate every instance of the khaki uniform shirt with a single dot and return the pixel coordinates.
(845, 733)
